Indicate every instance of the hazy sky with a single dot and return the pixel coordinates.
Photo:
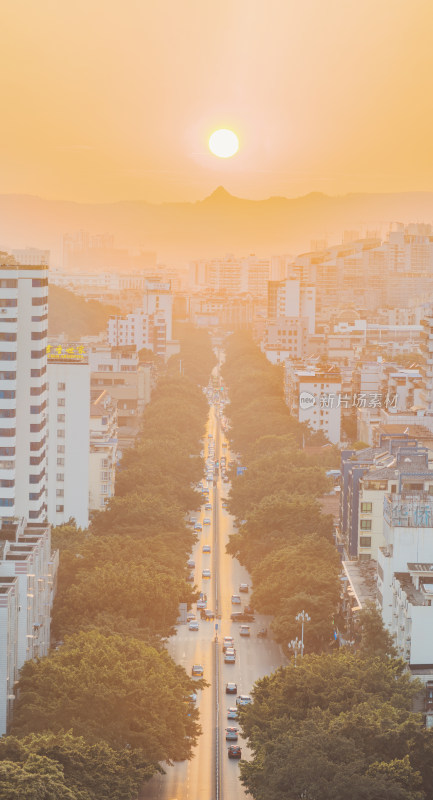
(115, 99)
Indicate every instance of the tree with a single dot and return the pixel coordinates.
(375, 640)
(137, 514)
(114, 689)
(147, 595)
(38, 778)
(90, 771)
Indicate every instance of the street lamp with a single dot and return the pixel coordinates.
(302, 617)
(295, 645)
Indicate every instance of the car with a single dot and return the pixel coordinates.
(243, 700)
(193, 697)
(207, 614)
(243, 587)
(205, 573)
(228, 641)
(190, 563)
(234, 751)
(208, 507)
(198, 526)
(201, 604)
(229, 656)
(241, 616)
(231, 734)
(232, 713)
(245, 630)
(197, 670)
(190, 616)
(206, 521)
(236, 600)
(190, 578)
(231, 688)
(193, 625)
(206, 548)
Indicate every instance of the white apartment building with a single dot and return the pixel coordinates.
(314, 397)
(290, 298)
(68, 437)
(285, 338)
(23, 389)
(405, 576)
(28, 573)
(231, 275)
(149, 326)
(103, 451)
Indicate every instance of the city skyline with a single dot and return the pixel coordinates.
(107, 103)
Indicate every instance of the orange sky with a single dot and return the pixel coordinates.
(107, 100)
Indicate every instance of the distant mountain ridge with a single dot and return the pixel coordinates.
(220, 223)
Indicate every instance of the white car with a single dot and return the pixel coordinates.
(208, 507)
(193, 625)
(206, 521)
(243, 700)
(206, 548)
(230, 656)
(205, 573)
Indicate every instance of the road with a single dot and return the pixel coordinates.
(197, 779)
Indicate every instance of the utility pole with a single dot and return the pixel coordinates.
(302, 617)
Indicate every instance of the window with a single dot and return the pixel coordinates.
(9, 303)
(41, 318)
(38, 353)
(38, 282)
(60, 417)
(365, 541)
(37, 373)
(37, 428)
(37, 335)
(61, 387)
(6, 501)
(7, 394)
(60, 462)
(35, 409)
(60, 434)
(59, 509)
(60, 401)
(8, 283)
(7, 432)
(39, 301)
(366, 508)
(8, 376)
(60, 493)
(60, 477)
(365, 525)
(8, 337)
(105, 476)
(7, 484)
(104, 489)
(7, 451)
(7, 413)
(60, 448)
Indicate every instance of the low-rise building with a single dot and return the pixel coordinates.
(103, 451)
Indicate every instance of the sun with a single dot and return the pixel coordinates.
(223, 143)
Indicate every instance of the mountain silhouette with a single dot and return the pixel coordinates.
(214, 226)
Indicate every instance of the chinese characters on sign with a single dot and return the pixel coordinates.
(69, 352)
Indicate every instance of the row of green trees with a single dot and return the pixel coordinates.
(283, 538)
(96, 716)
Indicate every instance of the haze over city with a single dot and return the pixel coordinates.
(216, 400)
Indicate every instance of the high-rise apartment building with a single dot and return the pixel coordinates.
(23, 389)
(249, 275)
(68, 435)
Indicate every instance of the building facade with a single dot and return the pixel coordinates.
(23, 389)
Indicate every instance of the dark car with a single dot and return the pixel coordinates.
(231, 688)
(190, 578)
(234, 751)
